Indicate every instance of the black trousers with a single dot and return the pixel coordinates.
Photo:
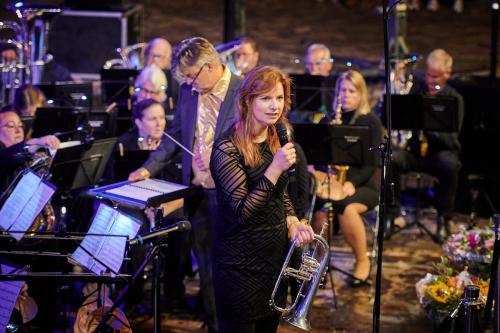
(263, 325)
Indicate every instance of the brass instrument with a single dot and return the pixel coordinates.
(337, 120)
(131, 56)
(30, 43)
(309, 274)
(46, 220)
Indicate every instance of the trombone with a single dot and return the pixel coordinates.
(309, 274)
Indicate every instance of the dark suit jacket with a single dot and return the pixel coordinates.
(183, 128)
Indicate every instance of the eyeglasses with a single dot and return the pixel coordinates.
(11, 125)
(138, 90)
(318, 63)
(193, 80)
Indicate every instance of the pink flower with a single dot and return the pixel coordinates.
(472, 240)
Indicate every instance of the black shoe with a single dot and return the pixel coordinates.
(356, 283)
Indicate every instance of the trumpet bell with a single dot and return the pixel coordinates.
(299, 322)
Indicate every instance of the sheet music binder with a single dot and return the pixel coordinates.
(103, 249)
(9, 291)
(24, 204)
(144, 193)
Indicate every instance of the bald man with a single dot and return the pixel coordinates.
(318, 60)
(158, 52)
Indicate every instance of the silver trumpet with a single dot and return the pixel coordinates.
(309, 274)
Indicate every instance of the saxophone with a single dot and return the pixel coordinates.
(337, 120)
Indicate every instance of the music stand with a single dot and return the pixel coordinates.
(430, 113)
(74, 94)
(86, 162)
(339, 145)
(115, 84)
(312, 93)
(327, 144)
(130, 161)
(423, 113)
(50, 120)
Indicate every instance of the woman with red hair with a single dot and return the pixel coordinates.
(255, 215)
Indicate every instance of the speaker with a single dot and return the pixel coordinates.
(82, 40)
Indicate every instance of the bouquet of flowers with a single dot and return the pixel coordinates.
(471, 248)
(441, 293)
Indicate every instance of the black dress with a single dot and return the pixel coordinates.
(250, 241)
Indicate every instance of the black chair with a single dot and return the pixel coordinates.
(417, 198)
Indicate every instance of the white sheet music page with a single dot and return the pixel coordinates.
(145, 189)
(109, 251)
(100, 225)
(24, 204)
(113, 249)
(9, 290)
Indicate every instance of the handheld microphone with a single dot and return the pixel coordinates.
(179, 226)
(282, 132)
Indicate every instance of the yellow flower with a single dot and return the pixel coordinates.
(439, 291)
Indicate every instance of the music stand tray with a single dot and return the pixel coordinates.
(312, 93)
(86, 162)
(155, 192)
(416, 112)
(115, 83)
(327, 144)
(49, 120)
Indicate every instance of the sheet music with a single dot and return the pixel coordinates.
(24, 204)
(108, 250)
(145, 189)
(9, 290)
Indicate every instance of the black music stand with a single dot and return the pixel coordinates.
(431, 113)
(423, 113)
(129, 162)
(50, 120)
(326, 144)
(164, 191)
(116, 84)
(312, 93)
(85, 163)
(68, 93)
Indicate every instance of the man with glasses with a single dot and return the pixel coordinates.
(159, 52)
(318, 60)
(150, 83)
(206, 109)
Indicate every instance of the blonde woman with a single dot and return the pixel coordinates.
(360, 192)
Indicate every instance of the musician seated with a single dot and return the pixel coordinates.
(148, 117)
(318, 60)
(12, 142)
(159, 52)
(436, 153)
(27, 99)
(246, 56)
(360, 192)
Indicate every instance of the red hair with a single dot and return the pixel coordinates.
(259, 81)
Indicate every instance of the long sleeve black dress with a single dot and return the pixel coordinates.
(250, 241)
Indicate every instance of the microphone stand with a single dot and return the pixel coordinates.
(386, 185)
